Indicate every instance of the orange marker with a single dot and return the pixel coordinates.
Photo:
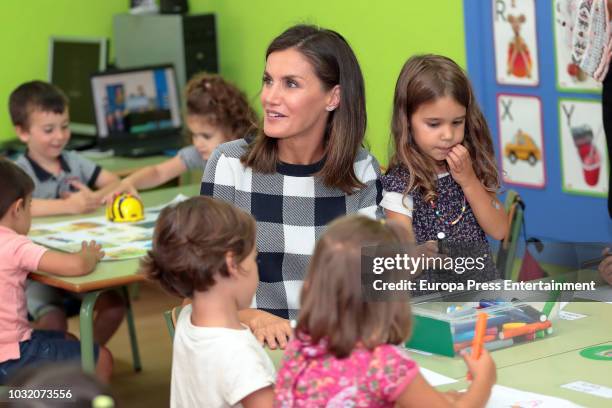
(477, 343)
(528, 328)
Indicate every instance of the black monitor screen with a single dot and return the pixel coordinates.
(72, 61)
(136, 101)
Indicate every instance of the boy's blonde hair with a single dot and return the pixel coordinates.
(191, 240)
(333, 306)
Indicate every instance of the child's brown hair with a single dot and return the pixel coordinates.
(423, 79)
(221, 103)
(333, 306)
(14, 184)
(35, 95)
(191, 240)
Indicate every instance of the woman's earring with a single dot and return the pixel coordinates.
(330, 108)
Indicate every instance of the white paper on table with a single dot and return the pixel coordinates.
(564, 315)
(589, 388)
(435, 379)
(502, 396)
(601, 294)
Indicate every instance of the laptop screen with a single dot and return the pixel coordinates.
(136, 102)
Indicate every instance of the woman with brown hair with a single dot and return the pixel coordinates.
(305, 167)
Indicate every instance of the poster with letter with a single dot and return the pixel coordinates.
(515, 41)
(584, 155)
(521, 140)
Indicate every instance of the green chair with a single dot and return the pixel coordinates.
(170, 316)
(506, 256)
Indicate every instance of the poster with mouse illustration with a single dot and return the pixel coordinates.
(584, 156)
(515, 41)
(521, 140)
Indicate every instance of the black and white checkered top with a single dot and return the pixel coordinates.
(292, 208)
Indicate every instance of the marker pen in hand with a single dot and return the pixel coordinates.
(478, 342)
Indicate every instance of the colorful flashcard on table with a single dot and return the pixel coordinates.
(515, 40)
(521, 140)
(584, 155)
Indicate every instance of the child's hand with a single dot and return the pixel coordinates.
(483, 369)
(83, 201)
(91, 253)
(460, 165)
(121, 188)
(270, 329)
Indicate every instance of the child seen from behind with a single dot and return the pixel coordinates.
(204, 250)
(346, 350)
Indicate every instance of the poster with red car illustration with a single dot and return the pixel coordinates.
(584, 156)
(515, 40)
(521, 141)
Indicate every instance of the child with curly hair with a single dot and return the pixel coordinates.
(217, 112)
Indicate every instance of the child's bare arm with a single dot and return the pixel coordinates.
(148, 177)
(153, 176)
(263, 398)
(64, 264)
(488, 211)
(106, 179)
(420, 394)
(402, 219)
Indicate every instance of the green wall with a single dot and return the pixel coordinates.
(383, 35)
(25, 27)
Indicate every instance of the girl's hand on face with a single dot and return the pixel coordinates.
(460, 165)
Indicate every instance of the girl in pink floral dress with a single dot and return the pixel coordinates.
(345, 352)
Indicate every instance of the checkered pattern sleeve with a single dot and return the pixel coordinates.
(368, 198)
(218, 178)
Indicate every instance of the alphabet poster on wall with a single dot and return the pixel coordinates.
(521, 140)
(515, 40)
(584, 156)
(569, 76)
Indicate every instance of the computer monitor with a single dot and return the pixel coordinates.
(137, 110)
(72, 61)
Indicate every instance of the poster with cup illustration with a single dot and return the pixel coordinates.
(521, 141)
(515, 41)
(569, 75)
(584, 156)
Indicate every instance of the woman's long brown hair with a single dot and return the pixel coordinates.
(334, 63)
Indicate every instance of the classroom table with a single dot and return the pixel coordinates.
(108, 275)
(540, 366)
(124, 166)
